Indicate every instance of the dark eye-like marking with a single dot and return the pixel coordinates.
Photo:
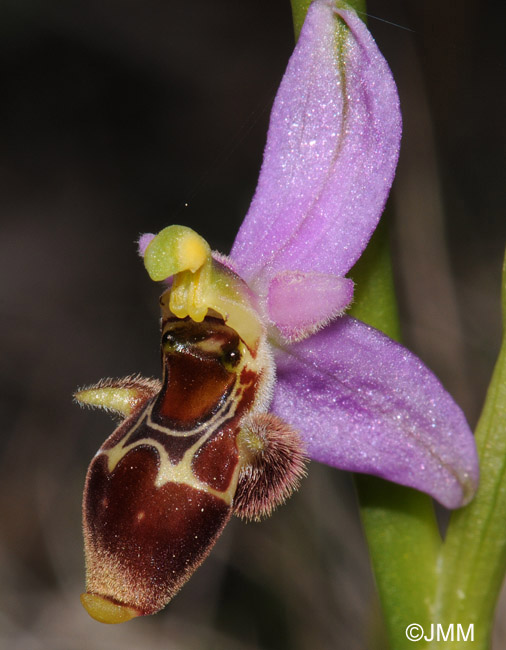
(231, 358)
(208, 340)
(168, 338)
(174, 340)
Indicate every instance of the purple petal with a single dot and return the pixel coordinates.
(364, 403)
(299, 304)
(144, 241)
(330, 157)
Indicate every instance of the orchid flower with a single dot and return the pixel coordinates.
(261, 366)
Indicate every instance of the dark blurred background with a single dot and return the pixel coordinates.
(118, 118)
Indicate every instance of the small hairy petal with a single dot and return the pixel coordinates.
(299, 303)
(274, 466)
(330, 157)
(364, 403)
(121, 397)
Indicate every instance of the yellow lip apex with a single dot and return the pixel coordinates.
(106, 611)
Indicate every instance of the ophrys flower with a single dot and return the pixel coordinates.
(264, 330)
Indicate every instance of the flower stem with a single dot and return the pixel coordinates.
(403, 540)
(299, 10)
(473, 557)
(399, 523)
(300, 7)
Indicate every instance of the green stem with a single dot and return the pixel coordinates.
(299, 10)
(399, 523)
(403, 540)
(300, 7)
(473, 557)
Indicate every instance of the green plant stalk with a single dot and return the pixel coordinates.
(473, 557)
(300, 7)
(399, 523)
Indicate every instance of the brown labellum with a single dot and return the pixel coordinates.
(143, 541)
(190, 452)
